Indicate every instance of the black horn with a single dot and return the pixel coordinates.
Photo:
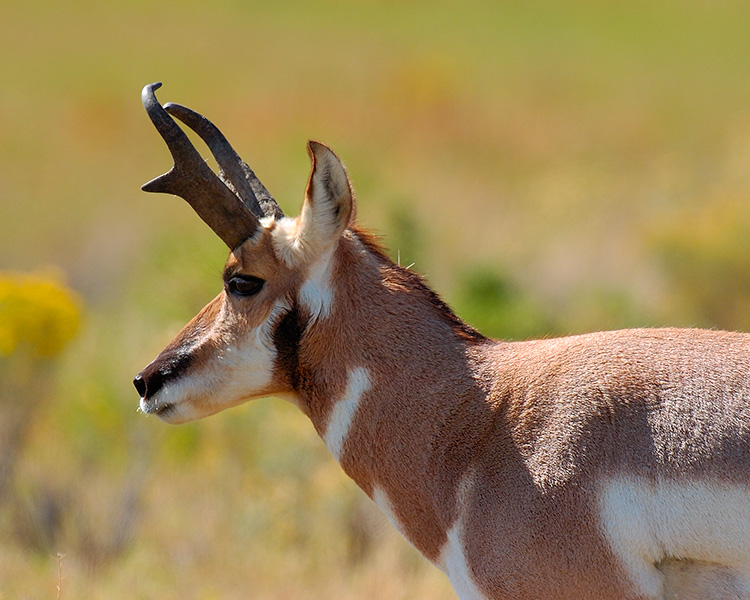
(234, 170)
(191, 179)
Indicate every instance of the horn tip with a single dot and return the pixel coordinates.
(184, 114)
(176, 110)
(148, 97)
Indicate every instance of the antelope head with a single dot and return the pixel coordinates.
(242, 344)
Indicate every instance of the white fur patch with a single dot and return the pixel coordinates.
(453, 563)
(286, 243)
(252, 360)
(384, 504)
(344, 410)
(316, 293)
(699, 521)
(452, 560)
(270, 222)
(238, 372)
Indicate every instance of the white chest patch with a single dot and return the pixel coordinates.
(646, 523)
(344, 410)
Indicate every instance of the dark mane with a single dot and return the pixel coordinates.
(463, 330)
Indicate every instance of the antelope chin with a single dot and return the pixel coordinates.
(167, 411)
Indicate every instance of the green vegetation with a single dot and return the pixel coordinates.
(551, 167)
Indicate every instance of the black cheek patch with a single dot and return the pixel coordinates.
(286, 339)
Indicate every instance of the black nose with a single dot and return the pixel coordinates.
(148, 383)
(166, 367)
(140, 385)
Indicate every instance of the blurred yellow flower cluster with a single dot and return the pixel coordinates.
(38, 315)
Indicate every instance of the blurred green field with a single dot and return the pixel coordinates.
(551, 167)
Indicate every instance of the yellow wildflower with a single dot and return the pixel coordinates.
(37, 314)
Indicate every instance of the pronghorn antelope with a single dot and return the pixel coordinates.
(607, 466)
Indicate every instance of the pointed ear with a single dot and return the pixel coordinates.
(329, 201)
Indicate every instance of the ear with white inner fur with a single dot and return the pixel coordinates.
(329, 202)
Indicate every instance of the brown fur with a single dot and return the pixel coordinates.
(503, 410)
(514, 441)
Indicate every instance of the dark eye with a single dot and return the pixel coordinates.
(244, 285)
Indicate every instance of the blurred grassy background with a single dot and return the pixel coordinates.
(552, 167)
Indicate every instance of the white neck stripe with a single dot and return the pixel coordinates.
(343, 412)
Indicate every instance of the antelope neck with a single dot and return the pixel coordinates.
(392, 393)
